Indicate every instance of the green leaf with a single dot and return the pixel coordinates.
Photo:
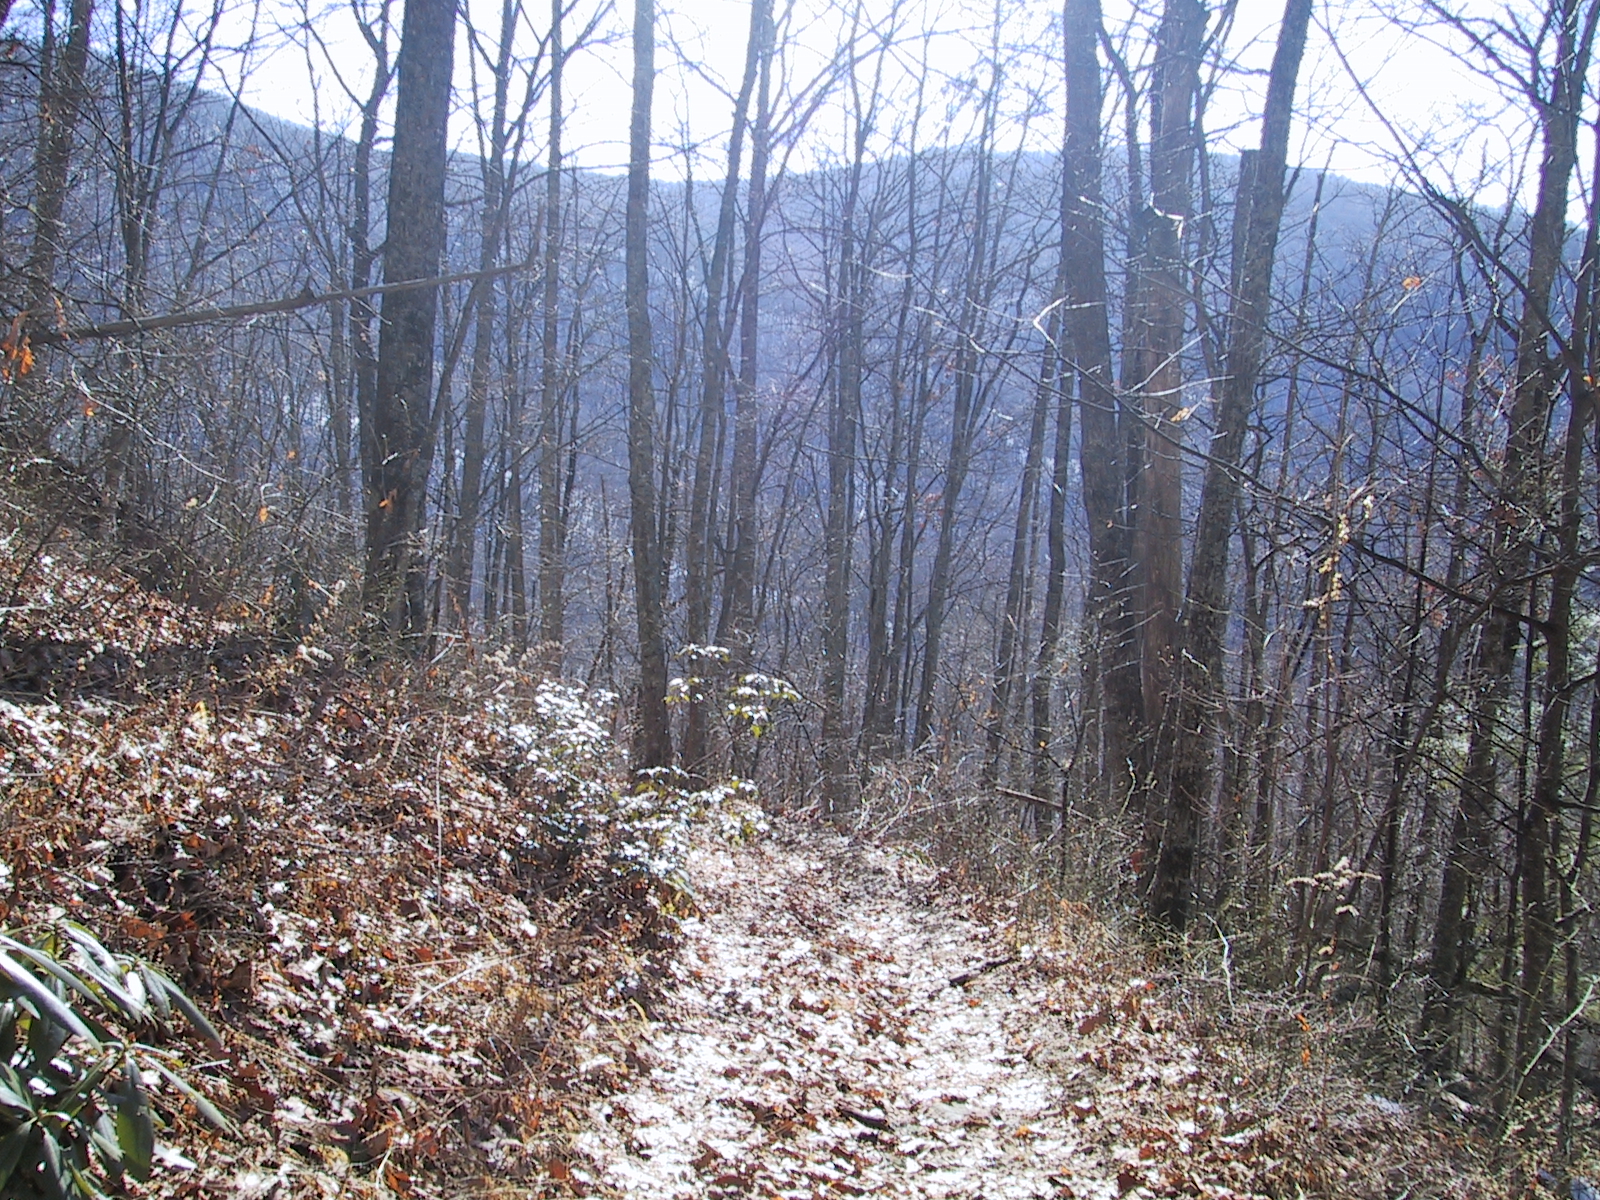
(85, 1185)
(45, 1039)
(14, 1093)
(153, 989)
(49, 965)
(45, 1002)
(8, 1030)
(54, 1172)
(103, 970)
(186, 1006)
(207, 1109)
(104, 1137)
(71, 1101)
(12, 1148)
(136, 1132)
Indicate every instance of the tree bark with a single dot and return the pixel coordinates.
(714, 371)
(552, 386)
(1192, 724)
(965, 416)
(1102, 447)
(62, 91)
(653, 738)
(484, 310)
(736, 624)
(402, 414)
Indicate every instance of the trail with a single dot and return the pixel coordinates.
(815, 1045)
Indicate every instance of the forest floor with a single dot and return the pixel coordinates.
(455, 952)
(840, 1025)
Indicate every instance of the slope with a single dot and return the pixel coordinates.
(842, 1026)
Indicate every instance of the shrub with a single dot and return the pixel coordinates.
(78, 1025)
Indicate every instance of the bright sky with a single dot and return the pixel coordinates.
(1429, 94)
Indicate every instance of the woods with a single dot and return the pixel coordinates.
(1122, 489)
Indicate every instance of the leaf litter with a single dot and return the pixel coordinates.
(841, 1023)
(424, 912)
(453, 953)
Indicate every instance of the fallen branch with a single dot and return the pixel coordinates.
(236, 312)
(881, 1124)
(966, 977)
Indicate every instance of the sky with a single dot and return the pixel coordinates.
(1372, 79)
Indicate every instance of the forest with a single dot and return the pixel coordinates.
(998, 425)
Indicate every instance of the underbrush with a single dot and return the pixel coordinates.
(1198, 1079)
(423, 913)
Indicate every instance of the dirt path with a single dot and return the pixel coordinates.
(817, 1046)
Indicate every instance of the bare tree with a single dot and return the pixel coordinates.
(1257, 214)
(399, 427)
(653, 742)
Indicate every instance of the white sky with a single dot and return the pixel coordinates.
(1425, 90)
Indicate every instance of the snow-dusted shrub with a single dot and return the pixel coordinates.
(584, 796)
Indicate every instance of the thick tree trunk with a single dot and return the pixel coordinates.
(1540, 835)
(1157, 362)
(1192, 723)
(1107, 459)
(414, 249)
(61, 97)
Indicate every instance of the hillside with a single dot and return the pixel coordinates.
(450, 955)
(415, 913)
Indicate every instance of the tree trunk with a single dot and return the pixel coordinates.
(653, 739)
(714, 370)
(61, 97)
(1103, 446)
(552, 385)
(838, 532)
(1521, 498)
(362, 258)
(484, 311)
(736, 624)
(1157, 362)
(1205, 616)
(414, 249)
(1009, 657)
(965, 417)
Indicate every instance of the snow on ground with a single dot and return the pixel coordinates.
(816, 1045)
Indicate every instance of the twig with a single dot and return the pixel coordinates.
(966, 977)
(1028, 796)
(1534, 1059)
(1227, 959)
(881, 1124)
(457, 978)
